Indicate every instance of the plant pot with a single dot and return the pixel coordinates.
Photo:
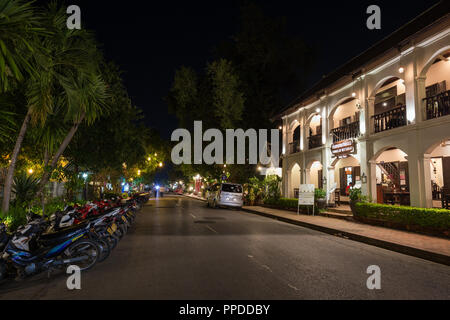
(353, 207)
(321, 203)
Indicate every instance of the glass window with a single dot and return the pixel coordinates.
(234, 188)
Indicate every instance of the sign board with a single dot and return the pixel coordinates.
(343, 148)
(306, 194)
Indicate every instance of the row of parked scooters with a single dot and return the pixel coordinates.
(78, 235)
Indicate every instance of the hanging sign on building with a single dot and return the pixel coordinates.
(343, 148)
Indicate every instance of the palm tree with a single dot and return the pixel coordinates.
(19, 29)
(80, 88)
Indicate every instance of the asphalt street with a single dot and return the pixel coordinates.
(180, 249)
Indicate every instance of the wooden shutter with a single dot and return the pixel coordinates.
(446, 174)
(343, 183)
(356, 172)
(320, 179)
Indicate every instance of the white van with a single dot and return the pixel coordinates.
(225, 194)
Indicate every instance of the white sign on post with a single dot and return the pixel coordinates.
(306, 196)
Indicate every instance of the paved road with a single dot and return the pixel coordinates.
(179, 249)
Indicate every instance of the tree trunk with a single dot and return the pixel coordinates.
(59, 153)
(46, 160)
(12, 166)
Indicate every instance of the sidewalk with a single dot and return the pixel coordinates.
(413, 244)
(421, 246)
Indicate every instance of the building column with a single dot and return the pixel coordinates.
(365, 167)
(285, 179)
(370, 108)
(415, 180)
(372, 180)
(306, 176)
(420, 95)
(425, 187)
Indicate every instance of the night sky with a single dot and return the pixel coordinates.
(149, 40)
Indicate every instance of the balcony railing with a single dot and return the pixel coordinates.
(348, 131)
(315, 141)
(438, 105)
(294, 147)
(390, 119)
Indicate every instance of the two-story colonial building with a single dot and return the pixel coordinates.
(381, 121)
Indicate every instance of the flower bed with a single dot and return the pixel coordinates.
(423, 220)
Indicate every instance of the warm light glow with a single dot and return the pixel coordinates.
(280, 128)
(224, 165)
(318, 110)
(160, 164)
(156, 154)
(149, 158)
(384, 104)
(401, 70)
(181, 182)
(353, 94)
(259, 168)
(30, 171)
(139, 172)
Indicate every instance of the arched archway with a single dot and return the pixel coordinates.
(344, 120)
(314, 173)
(433, 85)
(294, 180)
(294, 137)
(388, 105)
(437, 179)
(314, 134)
(391, 176)
(346, 173)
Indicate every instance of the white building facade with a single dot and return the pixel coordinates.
(381, 122)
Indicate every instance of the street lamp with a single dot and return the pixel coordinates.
(30, 171)
(160, 164)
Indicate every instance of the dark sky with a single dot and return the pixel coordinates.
(150, 39)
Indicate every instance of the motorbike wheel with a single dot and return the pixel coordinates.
(124, 229)
(85, 247)
(105, 249)
(112, 242)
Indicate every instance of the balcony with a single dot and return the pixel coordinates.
(315, 141)
(390, 119)
(346, 132)
(294, 147)
(438, 105)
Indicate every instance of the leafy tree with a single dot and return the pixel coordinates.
(20, 27)
(271, 64)
(227, 100)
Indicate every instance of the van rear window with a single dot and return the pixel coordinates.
(235, 188)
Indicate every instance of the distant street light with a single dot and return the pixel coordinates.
(30, 171)
(160, 164)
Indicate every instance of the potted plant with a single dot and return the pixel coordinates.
(355, 196)
(320, 197)
(251, 197)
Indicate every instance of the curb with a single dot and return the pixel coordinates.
(411, 251)
(185, 195)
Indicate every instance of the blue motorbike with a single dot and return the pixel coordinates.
(29, 251)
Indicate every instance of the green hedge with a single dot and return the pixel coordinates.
(435, 219)
(288, 203)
